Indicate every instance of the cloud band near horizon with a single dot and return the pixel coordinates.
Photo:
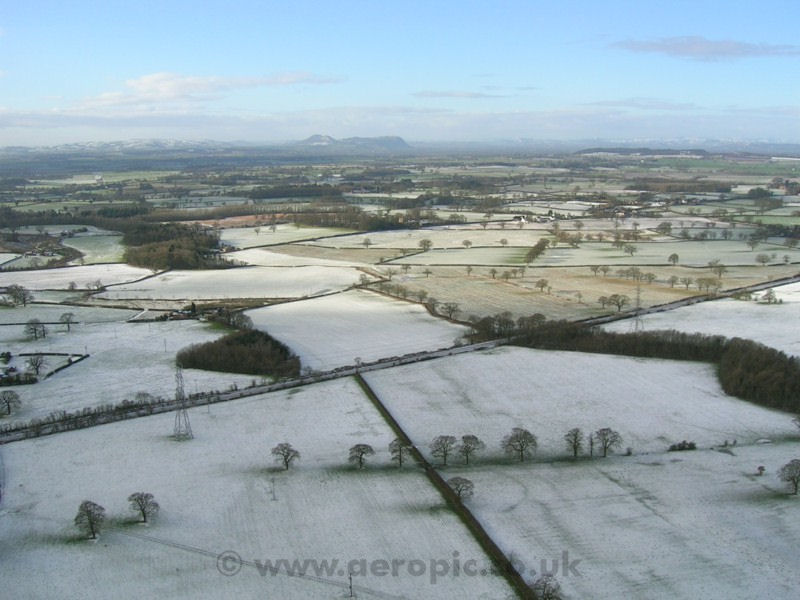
(704, 49)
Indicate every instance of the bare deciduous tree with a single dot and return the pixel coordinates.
(519, 442)
(619, 300)
(442, 446)
(143, 503)
(67, 319)
(239, 320)
(717, 268)
(359, 453)
(470, 444)
(425, 244)
(451, 309)
(397, 448)
(35, 329)
(462, 487)
(36, 363)
(546, 587)
(574, 440)
(770, 297)
(90, 517)
(790, 473)
(19, 294)
(9, 401)
(607, 439)
(284, 453)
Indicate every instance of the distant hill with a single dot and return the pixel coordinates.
(384, 144)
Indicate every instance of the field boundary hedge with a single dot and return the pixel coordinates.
(499, 559)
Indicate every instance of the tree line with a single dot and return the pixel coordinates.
(520, 444)
(745, 369)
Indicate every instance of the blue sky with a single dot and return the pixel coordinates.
(429, 71)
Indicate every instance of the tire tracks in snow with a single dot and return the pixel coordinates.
(259, 567)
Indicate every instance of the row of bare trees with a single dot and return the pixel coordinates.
(519, 443)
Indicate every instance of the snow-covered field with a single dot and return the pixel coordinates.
(29, 261)
(690, 253)
(683, 525)
(97, 248)
(83, 277)
(55, 230)
(51, 313)
(652, 525)
(222, 492)
(332, 331)
(452, 236)
(773, 325)
(124, 358)
(246, 282)
(473, 256)
(246, 237)
(266, 258)
(652, 403)
(7, 257)
(448, 248)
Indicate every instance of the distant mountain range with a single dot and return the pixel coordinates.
(208, 154)
(314, 145)
(325, 145)
(376, 144)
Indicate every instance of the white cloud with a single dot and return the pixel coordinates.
(165, 87)
(645, 104)
(454, 94)
(703, 49)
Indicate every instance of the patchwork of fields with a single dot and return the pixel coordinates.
(650, 524)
